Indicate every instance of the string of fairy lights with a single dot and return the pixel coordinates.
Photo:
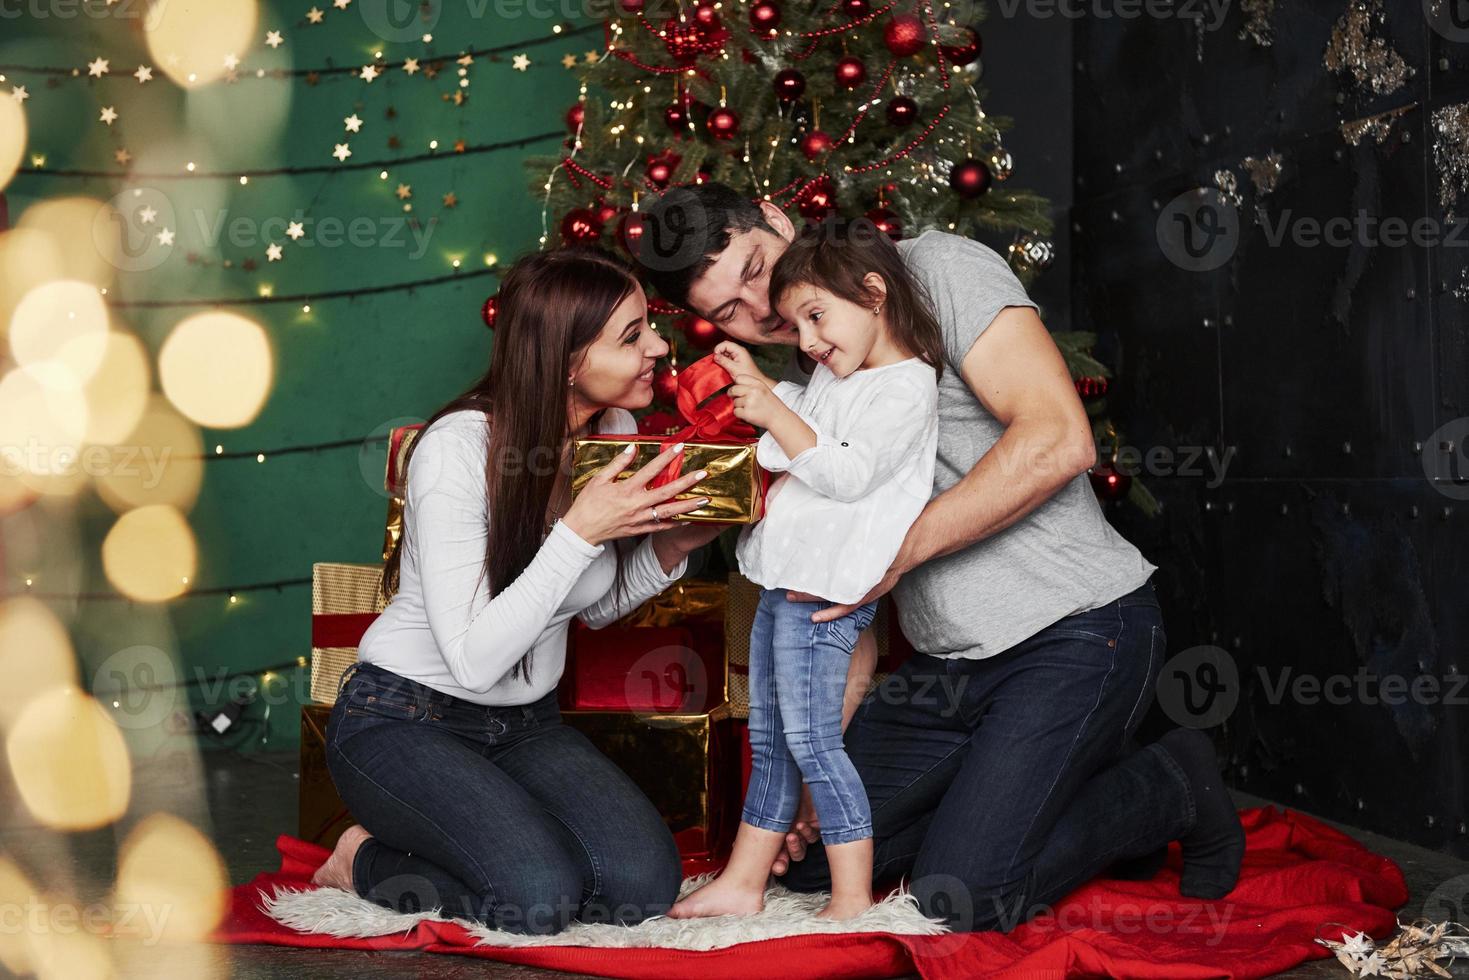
(100, 76)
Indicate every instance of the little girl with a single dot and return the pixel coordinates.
(855, 448)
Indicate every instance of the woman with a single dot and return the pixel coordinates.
(446, 743)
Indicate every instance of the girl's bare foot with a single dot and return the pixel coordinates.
(337, 871)
(719, 897)
(845, 907)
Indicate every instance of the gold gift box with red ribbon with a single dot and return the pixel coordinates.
(713, 440)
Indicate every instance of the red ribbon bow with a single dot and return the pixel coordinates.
(710, 419)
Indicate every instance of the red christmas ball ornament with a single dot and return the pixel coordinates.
(887, 222)
(724, 123)
(629, 232)
(1108, 482)
(700, 333)
(903, 35)
(677, 117)
(490, 312)
(661, 167)
(606, 212)
(704, 175)
(970, 178)
(856, 8)
(575, 116)
(968, 51)
(631, 6)
(789, 84)
(1091, 387)
(816, 143)
(581, 226)
(665, 386)
(706, 17)
(816, 201)
(850, 72)
(764, 17)
(902, 111)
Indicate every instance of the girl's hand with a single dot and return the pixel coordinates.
(755, 402)
(689, 536)
(735, 359)
(608, 508)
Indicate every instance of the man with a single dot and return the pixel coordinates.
(996, 759)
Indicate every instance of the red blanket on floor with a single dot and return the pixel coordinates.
(1299, 875)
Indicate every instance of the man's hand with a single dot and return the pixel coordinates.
(806, 829)
(882, 588)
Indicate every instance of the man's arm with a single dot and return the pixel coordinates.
(1018, 374)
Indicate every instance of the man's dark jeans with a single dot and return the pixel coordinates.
(999, 785)
(500, 814)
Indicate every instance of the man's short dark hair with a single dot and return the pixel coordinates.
(686, 229)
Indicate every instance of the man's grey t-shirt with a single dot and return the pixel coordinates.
(1061, 558)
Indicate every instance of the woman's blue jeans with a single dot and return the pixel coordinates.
(503, 815)
(798, 680)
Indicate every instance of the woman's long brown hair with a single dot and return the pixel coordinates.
(552, 306)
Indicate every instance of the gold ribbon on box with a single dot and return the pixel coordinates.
(714, 440)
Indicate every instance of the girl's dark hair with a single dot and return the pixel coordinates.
(552, 306)
(837, 254)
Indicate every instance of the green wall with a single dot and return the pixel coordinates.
(345, 369)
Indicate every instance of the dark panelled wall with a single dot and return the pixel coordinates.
(1321, 372)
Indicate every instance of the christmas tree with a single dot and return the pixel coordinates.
(833, 107)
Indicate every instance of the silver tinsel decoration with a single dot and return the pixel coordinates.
(1369, 59)
(1228, 186)
(1002, 164)
(1257, 21)
(1031, 252)
(1451, 154)
(1264, 172)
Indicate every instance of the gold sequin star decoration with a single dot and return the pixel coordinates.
(404, 192)
(273, 39)
(466, 61)
(109, 115)
(459, 97)
(273, 253)
(431, 70)
(410, 66)
(450, 200)
(520, 62)
(19, 93)
(460, 146)
(341, 4)
(295, 230)
(342, 152)
(143, 74)
(312, 77)
(369, 72)
(123, 157)
(592, 57)
(568, 61)
(314, 15)
(98, 68)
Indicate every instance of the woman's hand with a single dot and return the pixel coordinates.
(608, 508)
(737, 360)
(805, 829)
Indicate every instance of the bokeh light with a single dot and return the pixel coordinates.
(191, 41)
(28, 258)
(150, 554)
(69, 761)
(12, 138)
(69, 222)
(166, 466)
(171, 870)
(66, 317)
(216, 368)
(43, 419)
(35, 656)
(117, 393)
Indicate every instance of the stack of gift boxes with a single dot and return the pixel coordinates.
(663, 692)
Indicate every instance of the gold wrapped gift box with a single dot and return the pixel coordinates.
(688, 765)
(735, 485)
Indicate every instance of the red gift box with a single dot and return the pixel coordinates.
(663, 669)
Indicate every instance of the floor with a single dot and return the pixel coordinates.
(252, 798)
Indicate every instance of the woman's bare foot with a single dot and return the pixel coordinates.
(719, 897)
(839, 909)
(337, 871)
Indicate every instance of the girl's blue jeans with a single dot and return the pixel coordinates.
(798, 680)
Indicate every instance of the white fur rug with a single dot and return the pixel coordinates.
(334, 912)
